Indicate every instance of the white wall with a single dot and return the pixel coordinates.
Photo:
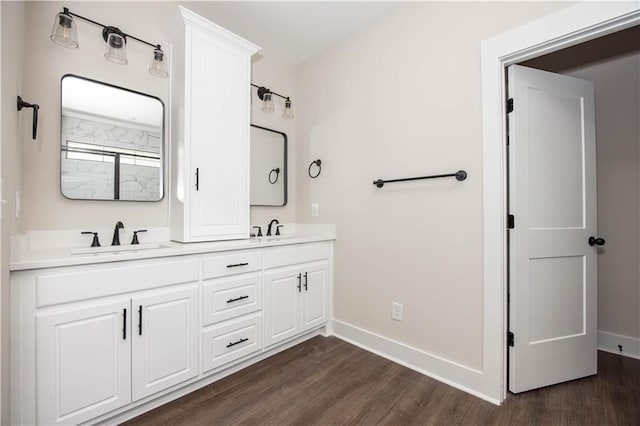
(43, 207)
(401, 98)
(12, 28)
(45, 64)
(617, 90)
(277, 75)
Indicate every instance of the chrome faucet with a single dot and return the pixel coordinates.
(270, 225)
(116, 234)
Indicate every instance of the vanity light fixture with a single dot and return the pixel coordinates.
(266, 96)
(65, 34)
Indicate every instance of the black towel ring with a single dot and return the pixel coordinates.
(317, 163)
(277, 172)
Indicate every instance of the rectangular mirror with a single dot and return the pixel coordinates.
(112, 142)
(268, 167)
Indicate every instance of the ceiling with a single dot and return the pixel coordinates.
(291, 30)
(620, 43)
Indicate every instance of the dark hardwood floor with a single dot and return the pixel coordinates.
(326, 381)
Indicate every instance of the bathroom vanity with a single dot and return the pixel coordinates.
(105, 336)
(102, 334)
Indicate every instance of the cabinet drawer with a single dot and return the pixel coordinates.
(232, 340)
(227, 298)
(294, 254)
(222, 265)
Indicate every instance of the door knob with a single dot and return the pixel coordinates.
(593, 241)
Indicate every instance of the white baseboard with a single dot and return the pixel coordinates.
(453, 374)
(609, 342)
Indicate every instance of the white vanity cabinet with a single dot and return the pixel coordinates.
(296, 291)
(105, 336)
(210, 117)
(104, 342)
(100, 355)
(232, 296)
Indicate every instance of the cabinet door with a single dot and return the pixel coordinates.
(219, 139)
(282, 289)
(164, 340)
(83, 362)
(314, 295)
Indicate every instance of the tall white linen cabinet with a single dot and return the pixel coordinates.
(210, 118)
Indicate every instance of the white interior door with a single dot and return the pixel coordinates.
(552, 195)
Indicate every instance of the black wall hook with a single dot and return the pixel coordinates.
(317, 163)
(36, 107)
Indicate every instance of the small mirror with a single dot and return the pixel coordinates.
(112, 142)
(268, 167)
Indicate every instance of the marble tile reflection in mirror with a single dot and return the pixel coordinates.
(268, 167)
(112, 142)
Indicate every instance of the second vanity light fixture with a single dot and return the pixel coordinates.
(266, 96)
(65, 34)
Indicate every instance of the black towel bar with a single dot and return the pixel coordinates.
(459, 175)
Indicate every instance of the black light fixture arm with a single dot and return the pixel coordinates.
(107, 29)
(262, 90)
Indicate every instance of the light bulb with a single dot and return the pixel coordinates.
(267, 105)
(158, 65)
(288, 110)
(64, 32)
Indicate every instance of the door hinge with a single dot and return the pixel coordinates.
(511, 221)
(509, 105)
(511, 339)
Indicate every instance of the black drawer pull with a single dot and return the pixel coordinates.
(235, 265)
(238, 342)
(140, 320)
(124, 324)
(299, 283)
(237, 298)
(306, 281)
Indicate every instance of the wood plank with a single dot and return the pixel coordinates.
(328, 381)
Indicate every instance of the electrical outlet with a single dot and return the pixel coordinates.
(396, 311)
(314, 210)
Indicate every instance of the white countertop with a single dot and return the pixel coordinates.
(50, 257)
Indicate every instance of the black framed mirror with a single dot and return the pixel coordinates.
(268, 171)
(111, 142)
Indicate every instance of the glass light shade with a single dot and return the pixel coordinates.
(288, 110)
(64, 31)
(158, 65)
(267, 105)
(116, 50)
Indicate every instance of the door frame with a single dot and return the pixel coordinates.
(567, 27)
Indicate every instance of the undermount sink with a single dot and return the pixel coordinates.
(272, 238)
(117, 249)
